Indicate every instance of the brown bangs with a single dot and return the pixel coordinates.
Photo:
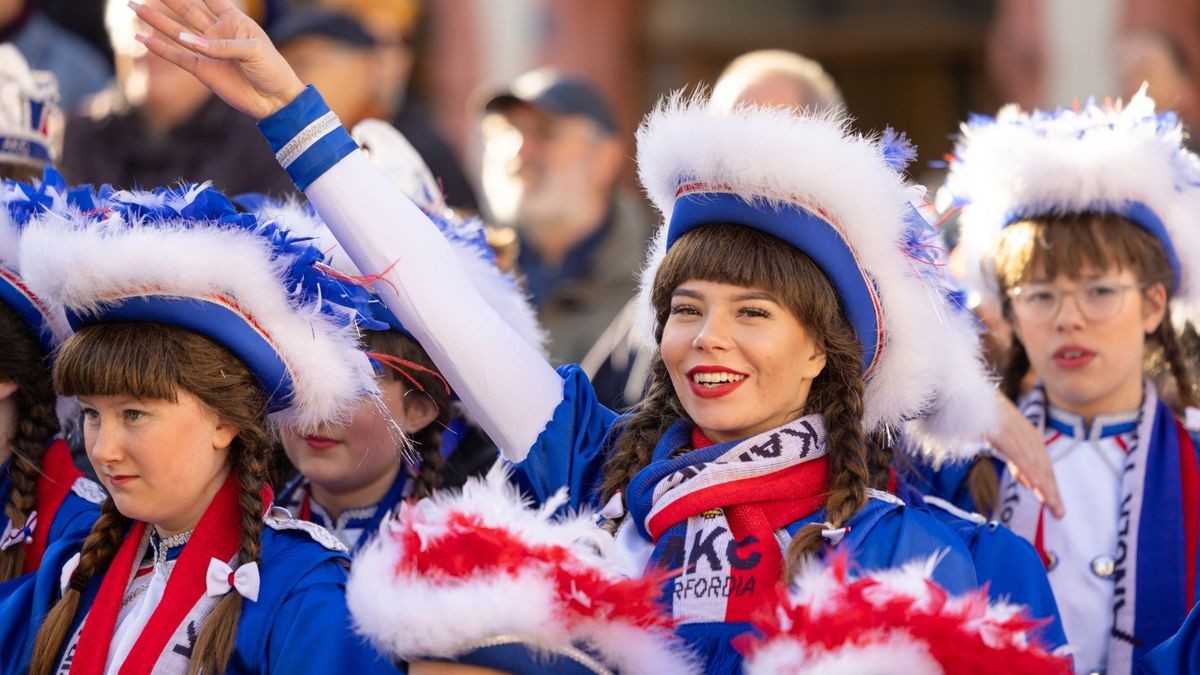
(1077, 244)
(134, 359)
(743, 256)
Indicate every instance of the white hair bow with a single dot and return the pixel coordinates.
(221, 578)
(18, 535)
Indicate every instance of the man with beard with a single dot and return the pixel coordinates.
(551, 164)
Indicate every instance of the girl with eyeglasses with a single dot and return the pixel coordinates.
(1082, 224)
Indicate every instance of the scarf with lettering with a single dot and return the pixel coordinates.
(1158, 533)
(714, 512)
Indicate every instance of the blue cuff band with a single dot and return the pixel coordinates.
(306, 137)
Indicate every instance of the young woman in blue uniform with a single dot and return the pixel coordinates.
(192, 323)
(794, 311)
(1082, 223)
(45, 497)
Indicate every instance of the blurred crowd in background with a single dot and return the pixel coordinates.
(525, 109)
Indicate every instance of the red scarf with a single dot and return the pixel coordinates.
(759, 508)
(216, 536)
(58, 477)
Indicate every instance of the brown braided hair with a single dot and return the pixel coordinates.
(156, 361)
(426, 441)
(742, 256)
(23, 361)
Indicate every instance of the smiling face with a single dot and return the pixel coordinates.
(747, 325)
(161, 461)
(1089, 290)
(741, 363)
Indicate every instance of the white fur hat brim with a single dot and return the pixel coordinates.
(236, 280)
(48, 322)
(927, 366)
(1097, 159)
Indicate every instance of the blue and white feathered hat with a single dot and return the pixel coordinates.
(185, 256)
(478, 577)
(1127, 160)
(19, 202)
(399, 161)
(840, 198)
(31, 123)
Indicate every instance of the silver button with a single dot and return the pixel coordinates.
(1103, 566)
(1051, 561)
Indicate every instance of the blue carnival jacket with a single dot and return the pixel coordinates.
(299, 624)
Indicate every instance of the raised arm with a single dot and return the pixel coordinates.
(506, 384)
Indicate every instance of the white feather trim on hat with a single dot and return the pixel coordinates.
(141, 246)
(457, 569)
(54, 328)
(928, 364)
(392, 154)
(399, 161)
(1097, 159)
(893, 621)
(497, 288)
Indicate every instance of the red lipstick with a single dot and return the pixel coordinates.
(714, 387)
(320, 443)
(1073, 357)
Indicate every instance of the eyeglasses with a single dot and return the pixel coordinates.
(1098, 301)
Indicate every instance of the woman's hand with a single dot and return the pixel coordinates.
(224, 49)
(1023, 448)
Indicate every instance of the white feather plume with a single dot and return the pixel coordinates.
(81, 263)
(1096, 159)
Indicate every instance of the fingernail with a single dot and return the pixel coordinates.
(192, 39)
(134, 4)
(141, 38)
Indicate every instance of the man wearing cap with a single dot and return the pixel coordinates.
(551, 162)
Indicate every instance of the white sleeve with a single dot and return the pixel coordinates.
(506, 384)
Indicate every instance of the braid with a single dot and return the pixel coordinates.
(838, 394)
(1176, 362)
(1016, 367)
(23, 362)
(428, 440)
(98, 550)
(215, 641)
(880, 455)
(983, 481)
(38, 423)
